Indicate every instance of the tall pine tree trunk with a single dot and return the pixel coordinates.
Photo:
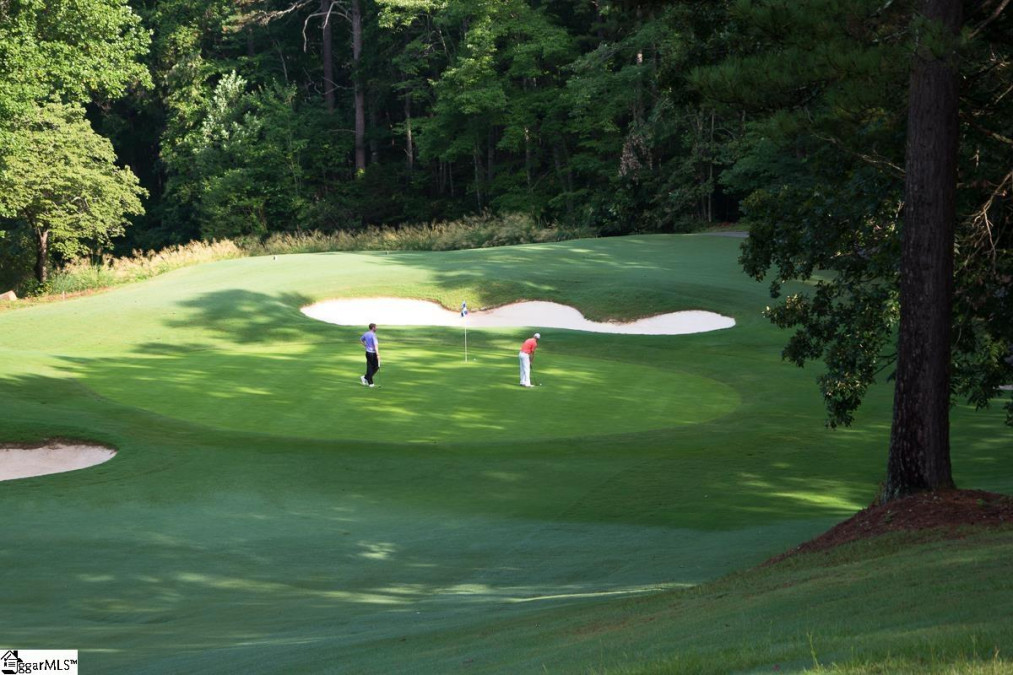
(374, 144)
(710, 173)
(527, 159)
(491, 163)
(527, 143)
(360, 96)
(920, 437)
(327, 56)
(563, 174)
(409, 140)
(476, 155)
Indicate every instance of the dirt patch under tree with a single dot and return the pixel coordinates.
(947, 512)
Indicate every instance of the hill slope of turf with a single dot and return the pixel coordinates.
(265, 511)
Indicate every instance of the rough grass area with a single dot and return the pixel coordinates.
(900, 603)
(267, 513)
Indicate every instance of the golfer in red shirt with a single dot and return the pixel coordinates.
(527, 357)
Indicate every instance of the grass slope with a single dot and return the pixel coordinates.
(265, 511)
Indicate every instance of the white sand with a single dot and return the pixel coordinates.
(537, 315)
(18, 462)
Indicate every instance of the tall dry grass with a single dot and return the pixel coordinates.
(470, 232)
(109, 271)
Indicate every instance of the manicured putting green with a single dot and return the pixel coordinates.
(425, 394)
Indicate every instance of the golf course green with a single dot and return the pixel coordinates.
(265, 512)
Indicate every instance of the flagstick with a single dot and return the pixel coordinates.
(464, 315)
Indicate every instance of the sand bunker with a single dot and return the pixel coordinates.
(21, 462)
(402, 312)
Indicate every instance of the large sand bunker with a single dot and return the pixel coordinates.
(24, 462)
(403, 312)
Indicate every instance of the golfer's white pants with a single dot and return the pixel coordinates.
(525, 369)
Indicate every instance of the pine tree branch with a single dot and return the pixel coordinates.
(995, 136)
(341, 11)
(265, 17)
(992, 17)
(879, 162)
(981, 220)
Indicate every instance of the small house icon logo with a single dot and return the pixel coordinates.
(9, 662)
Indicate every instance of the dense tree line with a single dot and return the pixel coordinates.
(208, 119)
(246, 118)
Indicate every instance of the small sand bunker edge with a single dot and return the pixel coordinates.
(54, 456)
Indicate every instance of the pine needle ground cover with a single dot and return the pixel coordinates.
(266, 512)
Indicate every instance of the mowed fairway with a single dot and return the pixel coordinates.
(267, 513)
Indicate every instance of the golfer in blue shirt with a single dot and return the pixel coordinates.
(372, 346)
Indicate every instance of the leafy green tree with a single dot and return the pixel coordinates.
(494, 100)
(61, 184)
(68, 50)
(411, 50)
(73, 51)
(469, 97)
(824, 170)
(326, 12)
(645, 150)
(238, 171)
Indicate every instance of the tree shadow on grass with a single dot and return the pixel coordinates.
(241, 317)
(605, 279)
